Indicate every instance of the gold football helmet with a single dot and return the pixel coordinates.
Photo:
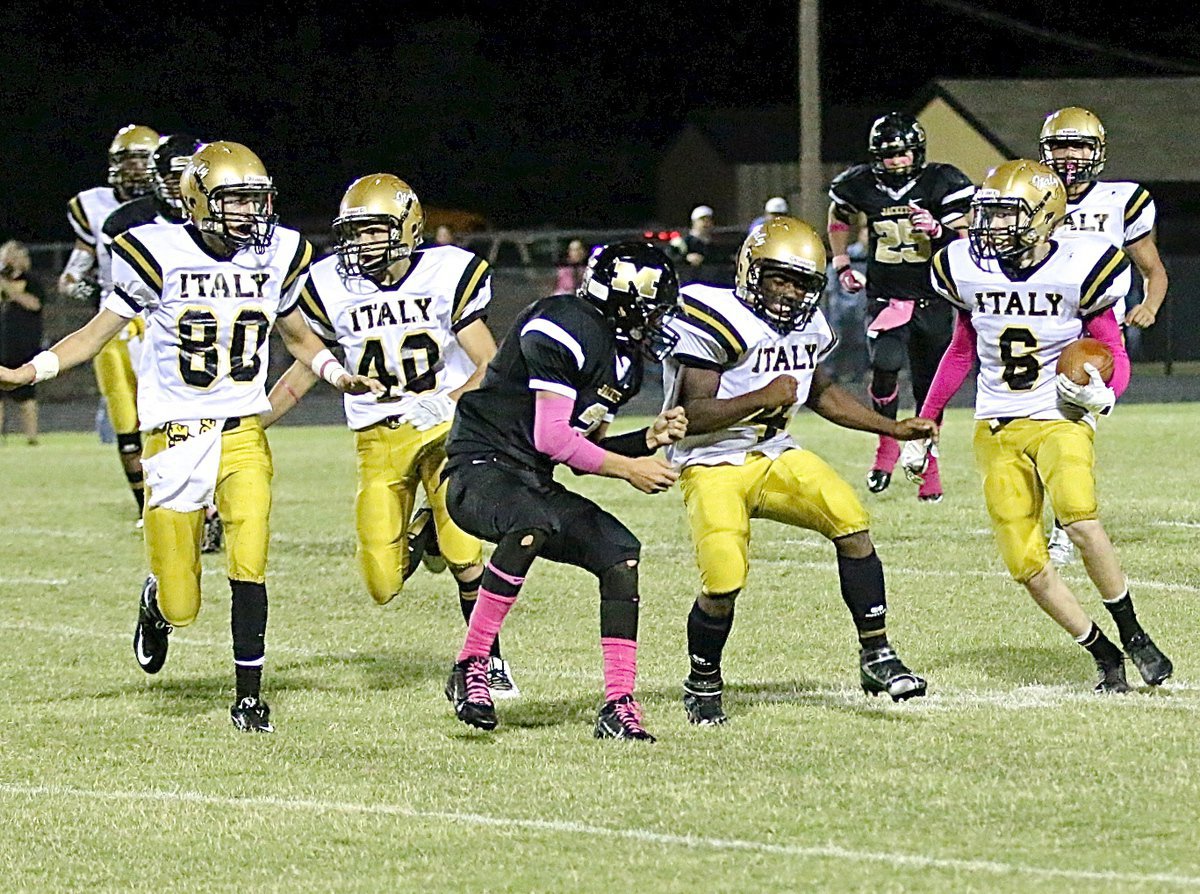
(1016, 208)
(781, 272)
(129, 170)
(1078, 136)
(226, 192)
(379, 222)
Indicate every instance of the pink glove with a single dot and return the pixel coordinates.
(849, 278)
(923, 221)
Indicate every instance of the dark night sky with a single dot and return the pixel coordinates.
(530, 113)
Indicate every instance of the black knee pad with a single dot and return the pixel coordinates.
(129, 443)
(619, 601)
(887, 354)
(620, 582)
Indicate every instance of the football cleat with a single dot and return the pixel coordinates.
(930, 490)
(500, 682)
(1062, 550)
(252, 715)
(702, 702)
(1112, 676)
(422, 544)
(621, 719)
(882, 671)
(139, 526)
(150, 638)
(214, 535)
(1148, 658)
(878, 480)
(468, 691)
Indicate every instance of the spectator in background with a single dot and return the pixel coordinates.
(847, 316)
(570, 272)
(20, 329)
(445, 236)
(776, 206)
(697, 243)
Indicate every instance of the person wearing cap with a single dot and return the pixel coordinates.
(697, 243)
(776, 206)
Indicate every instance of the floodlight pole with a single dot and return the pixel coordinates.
(812, 181)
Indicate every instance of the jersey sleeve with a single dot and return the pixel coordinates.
(553, 357)
(722, 345)
(312, 307)
(696, 347)
(841, 193)
(1140, 215)
(136, 279)
(289, 291)
(828, 339)
(941, 277)
(1106, 283)
(472, 294)
(957, 190)
(77, 218)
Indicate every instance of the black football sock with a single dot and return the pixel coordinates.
(706, 636)
(1122, 612)
(248, 621)
(1100, 646)
(468, 594)
(137, 484)
(863, 592)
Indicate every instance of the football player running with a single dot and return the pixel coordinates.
(911, 208)
(1074, 144)
(1022, 296)
(415, 320)
(210, 292)
(85, 278)
(745, 359)
(162, 205)
(567, 365)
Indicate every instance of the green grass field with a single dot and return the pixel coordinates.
(1010, 776)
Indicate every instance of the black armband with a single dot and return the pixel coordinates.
(632, 443)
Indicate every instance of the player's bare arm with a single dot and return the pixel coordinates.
(288, 392)
(80, 346)
(839, 406)
(81, 261)
(303, 344)
(476, 339)
(1144, 254)
(707, 413)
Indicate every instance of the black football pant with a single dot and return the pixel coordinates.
(922, 340)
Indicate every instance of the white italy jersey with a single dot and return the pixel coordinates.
(207, 318)
(402, 334)
(86, 212)
(719, 332)
(1023, 325)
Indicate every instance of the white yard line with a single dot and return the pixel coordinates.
(644, 836)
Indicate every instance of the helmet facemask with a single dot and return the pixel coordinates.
(250, 222)
(131, 173)
(1079, 166)
(786, 298)
(166, 184)
(372, 256)
(1002, 231)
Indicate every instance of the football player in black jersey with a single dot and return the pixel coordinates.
(568, 363)
(911, 208)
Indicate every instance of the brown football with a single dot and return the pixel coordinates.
(1085, 350)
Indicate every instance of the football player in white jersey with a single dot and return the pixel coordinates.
(414, 320)
(1074, 144)
(85, 278)
(745, 361)
(1022, 296)
(210, 292)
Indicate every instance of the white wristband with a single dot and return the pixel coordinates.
(45, 366)
(327, 367)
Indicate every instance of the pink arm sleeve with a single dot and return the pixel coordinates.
(553, 435)
(956, 365)
(1104, 327)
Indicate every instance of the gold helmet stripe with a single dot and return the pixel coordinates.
(312, 306)
(1112, 264)
(716, 326)
(468, 286)
(941, 272)
(79, 221)
(1136, 202)
(135, 254)
(299, 264)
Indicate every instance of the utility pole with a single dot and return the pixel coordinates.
(813, 203)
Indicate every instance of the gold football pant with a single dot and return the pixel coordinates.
(1020, 462)
(116, 379)
(392, 461)
(798, 488)
(243, 499)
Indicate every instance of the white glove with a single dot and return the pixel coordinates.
(923, 221)
(914, 458)
(427, 412)
(1094, 397)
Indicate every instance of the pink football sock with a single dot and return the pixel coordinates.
(620, 666)
(486, 620)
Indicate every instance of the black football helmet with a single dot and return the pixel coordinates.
(635, 287)
(894, 134)
(168, 160)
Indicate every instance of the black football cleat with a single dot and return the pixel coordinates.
(214, 535)
(422, 544)
(878, 480)
(252, 715)
(150, 638)
(1148, 658)
(882, 671)
(621, 719)
(702, 702)
(468, 691)
(1112, 677)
